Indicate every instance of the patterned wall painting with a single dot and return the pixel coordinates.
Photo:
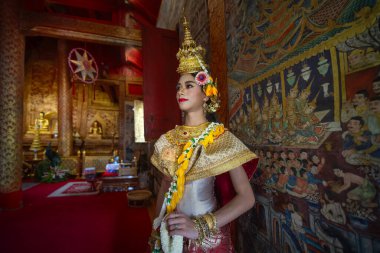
(310, 108)
(298, 110)
(265, 34)
(361, 118)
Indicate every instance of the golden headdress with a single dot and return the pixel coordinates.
(313, 102)
(191, 60)
(307, 89)
(190, 56)
(295, 87)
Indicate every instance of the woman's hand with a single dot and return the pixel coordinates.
(181, 224)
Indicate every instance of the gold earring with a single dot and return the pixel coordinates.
(205, 107)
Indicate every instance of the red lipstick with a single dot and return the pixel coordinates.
(182, 100)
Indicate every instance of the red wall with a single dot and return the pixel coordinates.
(161, 111)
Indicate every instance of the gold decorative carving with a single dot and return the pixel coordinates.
(139, 121)
(12, 46)
(65, 128)
(101, 103)
(108, 120)
(103, 96)
(40, 93)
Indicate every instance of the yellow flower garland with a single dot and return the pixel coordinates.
(175, 193)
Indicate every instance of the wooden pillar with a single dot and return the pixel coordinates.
(121, 121)
(12, 49)
(218, 54)
(65, 105)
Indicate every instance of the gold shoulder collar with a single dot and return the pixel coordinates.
(181, 134)
(226, 153)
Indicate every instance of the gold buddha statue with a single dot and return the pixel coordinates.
(95, 130)
(42, 123)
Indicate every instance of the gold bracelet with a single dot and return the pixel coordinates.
(197, 226)
(207, 217)
(204, 226)
(215, 223)
(211, 222)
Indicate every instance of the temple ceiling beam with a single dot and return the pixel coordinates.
(49, 25)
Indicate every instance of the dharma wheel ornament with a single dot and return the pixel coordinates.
(83, 66)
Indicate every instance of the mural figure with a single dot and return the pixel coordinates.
(276, 121)
(358, 148)
(376, 84)
(266, 114)
(332, 210)
(365, 191)
(291, 109)
(374, 119)
(316, 167)
(303, 237)
(257, 117)
(309, 128)
(296, 222)
(302, 99)
(358, 107)
(304, 157)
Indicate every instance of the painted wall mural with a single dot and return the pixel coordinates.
(306, 98)
(299, 107)
(265, 34)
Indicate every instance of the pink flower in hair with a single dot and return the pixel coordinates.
(202, 78)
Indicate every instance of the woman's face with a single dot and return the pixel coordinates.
(190, 96)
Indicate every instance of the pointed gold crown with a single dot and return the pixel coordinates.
(307, 89)
(190, 56)
(314, 101)
(295, 87)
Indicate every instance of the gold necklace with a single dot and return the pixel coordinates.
(181, 134)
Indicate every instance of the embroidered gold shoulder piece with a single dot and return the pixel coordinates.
(182, 134)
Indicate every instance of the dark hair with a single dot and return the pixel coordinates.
(212, 117)
(363, 92)
(377, 98)
(358, 118)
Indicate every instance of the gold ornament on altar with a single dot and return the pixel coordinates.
(95, 130)
(43, 123)
(36, 144)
